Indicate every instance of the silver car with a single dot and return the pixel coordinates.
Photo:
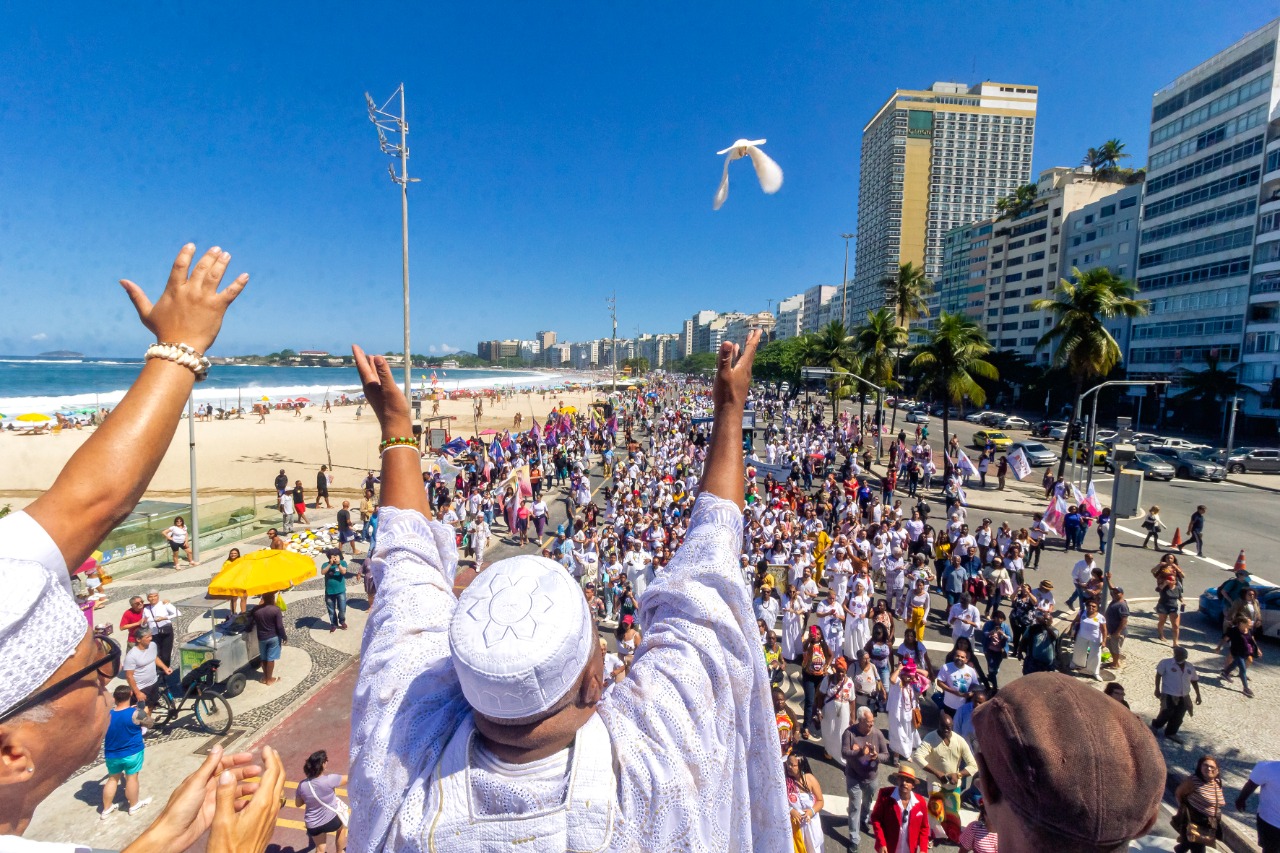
(1197, 465)
(1251, 460)
(1037, 454)
(1153, 467)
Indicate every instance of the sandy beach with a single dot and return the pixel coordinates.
(240, 456)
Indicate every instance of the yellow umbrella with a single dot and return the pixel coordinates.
(34, 417)
(569, 410)
(266, 399)
(262, 571)
(632, 388)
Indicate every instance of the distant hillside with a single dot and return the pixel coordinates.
(61, 353)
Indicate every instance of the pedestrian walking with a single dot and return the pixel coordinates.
(123, 749)
(1117, 626)
(287, 511)
(325, 812)
(1002, 471)
(1090, 634)
(863, 748)
(1200, 804)
(158, 616)
(1175, 680)
(1195, 531)
(1242, 648)
(268, 621)
(1265, 779)
(1153, 525)
(300, 502)
(323, 481)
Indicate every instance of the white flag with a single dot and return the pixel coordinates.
(966, 465)
(1018, 464)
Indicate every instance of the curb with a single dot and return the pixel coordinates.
(1272, 489)
(1235, 833)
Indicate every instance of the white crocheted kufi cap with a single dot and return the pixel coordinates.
(521, 636)
(40, 627)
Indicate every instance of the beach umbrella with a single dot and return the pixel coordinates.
(34, 417)
(488, 432)
(301, 399)
(265, 399)
(262, 571)
(569, 410)
(632, 388)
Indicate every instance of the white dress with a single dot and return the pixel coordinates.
(691, 727)
(835, 714)
(812, 831)
(831, 616)
(792, 629)
(903, 737)
(857, 627)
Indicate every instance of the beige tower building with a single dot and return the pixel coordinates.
(933, 160)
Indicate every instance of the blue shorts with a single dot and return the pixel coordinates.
(129, 765)
(269, 649)
(345, 536)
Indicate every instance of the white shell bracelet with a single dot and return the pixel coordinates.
(182, 354)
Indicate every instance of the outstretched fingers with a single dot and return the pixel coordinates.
(138, 297)
(201, 270)
(364, 366)
(181, 264)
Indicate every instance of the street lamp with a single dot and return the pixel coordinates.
(844, 283)
(1093, 418)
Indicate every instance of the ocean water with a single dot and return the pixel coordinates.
(49, 385)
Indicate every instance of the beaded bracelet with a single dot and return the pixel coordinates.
(183, 354)
(384, 450)
(392, 442)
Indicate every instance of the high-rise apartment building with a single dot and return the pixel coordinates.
(816, 299)
(933, 160)
(1209, 259)
(546, 340)
(790, 318)
(1018, 259)
(1104, 233)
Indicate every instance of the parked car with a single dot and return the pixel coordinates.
(1038, 454)
(1153, 467)
(1105, 435)
(992, 418)
(1144, 440)
(1175, 443)
(974, 417)
(919, 416)
(1078, 452)
(1212, 606)
(1014, 422)
(1043, 428)
(1000, 440)
(1252, 460)
(1198, 465)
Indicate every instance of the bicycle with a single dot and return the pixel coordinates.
(211, 709)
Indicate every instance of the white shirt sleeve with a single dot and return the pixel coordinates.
(407, 700)
(692, 723)
(22, 538)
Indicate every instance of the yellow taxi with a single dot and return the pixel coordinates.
(1078, 452)
(995, 437)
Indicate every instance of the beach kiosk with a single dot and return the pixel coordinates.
(230, 639)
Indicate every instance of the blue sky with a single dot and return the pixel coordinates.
(565, 150)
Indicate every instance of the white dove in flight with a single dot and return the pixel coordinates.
(769, 172)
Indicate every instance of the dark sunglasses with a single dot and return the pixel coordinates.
(107, 666)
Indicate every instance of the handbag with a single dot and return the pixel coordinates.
(917, 719)
(1188, 823)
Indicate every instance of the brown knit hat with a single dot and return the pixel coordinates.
(1056, 748)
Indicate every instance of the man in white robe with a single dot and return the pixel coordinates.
(455, 746)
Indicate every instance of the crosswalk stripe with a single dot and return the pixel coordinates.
(289, 784)
(291, 824)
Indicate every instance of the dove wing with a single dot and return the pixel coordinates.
(769, 172)
(723, 192)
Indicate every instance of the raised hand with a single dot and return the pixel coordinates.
(191, 309)
(733, 372)
(240, 827)
(384, 395)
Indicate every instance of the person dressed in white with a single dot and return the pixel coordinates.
(794, 616)
(857, 624)
(836, 693)
(831, 619)
(906, 684)
(472, 714)
(1091, 634)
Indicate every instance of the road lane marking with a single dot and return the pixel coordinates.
(1210, 560)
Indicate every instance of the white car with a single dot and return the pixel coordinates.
(1015, 422)
(973, 417)
(919, 416)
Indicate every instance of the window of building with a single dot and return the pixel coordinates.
(1033, 291)
(1206, 165)
(1128, 202)
(1011, 309)
(1107, 210)
(1204, 246)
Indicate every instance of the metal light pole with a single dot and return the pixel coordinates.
(844, 283)
(612, 302)
(1231, 433)
(194, 530)
(390, 122)
(1093, 418)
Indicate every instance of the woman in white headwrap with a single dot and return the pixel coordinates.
(834, 696)
(830, 614)
(794, 615)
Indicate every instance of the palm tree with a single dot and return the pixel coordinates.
(949, 361)
(832, 346)
(1105, 161)
(908, 294)
(1207, 390)
(877, 342)
(1084, 346)
(1022, 198)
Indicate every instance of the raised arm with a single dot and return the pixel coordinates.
(103, 481)
(723, 473)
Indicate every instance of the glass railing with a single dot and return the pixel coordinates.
(139, 542)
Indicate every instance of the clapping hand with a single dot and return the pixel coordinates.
(191, 309)
(246, 827)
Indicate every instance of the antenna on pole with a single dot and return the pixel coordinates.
(612, 302)
(389, 122)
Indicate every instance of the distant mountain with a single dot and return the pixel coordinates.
(61, 353)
